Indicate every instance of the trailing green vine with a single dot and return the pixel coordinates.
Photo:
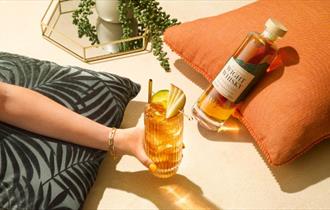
(80, 18)
(149, 15)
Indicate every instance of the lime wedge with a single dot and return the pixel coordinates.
(177, 100)
(161, 97)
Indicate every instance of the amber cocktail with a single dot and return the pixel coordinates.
(163, 139)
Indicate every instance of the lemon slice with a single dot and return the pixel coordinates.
(161, 97)
(176, 102)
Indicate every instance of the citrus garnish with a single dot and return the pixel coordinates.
(176, 102)
(161, 97)
(173, 101)
(172, 94)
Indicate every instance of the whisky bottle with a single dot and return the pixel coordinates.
(239, 75)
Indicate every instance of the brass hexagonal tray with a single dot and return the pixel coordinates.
(57, 28)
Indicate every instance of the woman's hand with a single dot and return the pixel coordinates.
(130, 141)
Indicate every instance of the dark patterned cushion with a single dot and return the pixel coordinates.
(37, 172)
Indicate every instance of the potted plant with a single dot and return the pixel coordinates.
(148, 13)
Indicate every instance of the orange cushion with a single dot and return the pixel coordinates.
(289, 111)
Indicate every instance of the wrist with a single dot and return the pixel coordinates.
(125, 141)
(119, 139)
(116, 141)
(111, 143)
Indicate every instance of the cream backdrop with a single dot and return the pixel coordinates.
(218, 171)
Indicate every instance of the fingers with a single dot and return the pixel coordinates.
(146, 161)
(141, 154)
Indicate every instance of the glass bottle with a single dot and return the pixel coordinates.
(236, 79)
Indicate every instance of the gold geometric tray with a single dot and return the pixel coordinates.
(57, 27)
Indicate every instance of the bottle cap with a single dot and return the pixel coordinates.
(275, 28)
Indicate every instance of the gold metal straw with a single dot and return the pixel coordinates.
(149, 90)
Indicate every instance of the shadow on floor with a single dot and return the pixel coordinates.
(191, 74)
(307, 170)
(177, 192)
(134, 111)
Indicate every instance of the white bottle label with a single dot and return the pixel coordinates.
(232, 80)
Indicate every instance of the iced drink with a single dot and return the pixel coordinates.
(163, 139)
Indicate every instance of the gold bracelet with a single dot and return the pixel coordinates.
(111, 142)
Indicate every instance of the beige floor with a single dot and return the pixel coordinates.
(219, 171)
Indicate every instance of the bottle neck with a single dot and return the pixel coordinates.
(269, 36)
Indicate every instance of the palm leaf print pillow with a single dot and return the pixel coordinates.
(37, 172)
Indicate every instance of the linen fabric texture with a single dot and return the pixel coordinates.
(288, 112)
(38, 172)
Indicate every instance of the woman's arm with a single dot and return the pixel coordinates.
(34, 112)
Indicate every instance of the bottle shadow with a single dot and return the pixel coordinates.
(286, 56)
(177, 192)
